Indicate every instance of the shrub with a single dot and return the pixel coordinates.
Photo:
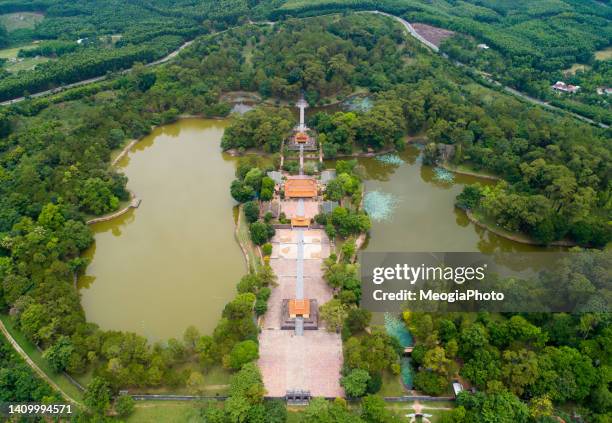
(355, 383)
(430, 383)
(251, 211)
(264, 293)
(268, 217)
(267, 249)
(261, 232)
(242, 353)
(261, 306)
(241, 192)
(375, 383)
(124, 405)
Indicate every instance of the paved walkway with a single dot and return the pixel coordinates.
(33, 365)
(313, 361)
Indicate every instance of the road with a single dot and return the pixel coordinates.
(33, 365)
(506, 88)
(409, 28)
(164, 59)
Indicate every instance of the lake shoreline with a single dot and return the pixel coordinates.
(175, 154)
(520, 238)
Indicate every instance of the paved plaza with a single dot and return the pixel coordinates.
(313, 361)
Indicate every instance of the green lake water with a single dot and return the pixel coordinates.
(173, 262)
(424, 217)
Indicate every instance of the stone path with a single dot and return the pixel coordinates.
(313, 361)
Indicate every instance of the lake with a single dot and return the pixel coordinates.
(173, 262)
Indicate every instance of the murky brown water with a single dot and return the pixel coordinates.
(173, 262)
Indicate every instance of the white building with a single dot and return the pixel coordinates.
(565, 88)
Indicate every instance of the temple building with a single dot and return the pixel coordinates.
(305, 310)
(301, 187)
(299, 308)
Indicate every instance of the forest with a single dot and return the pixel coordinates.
(54, 174)
(532, 44)
(529, 43)
(542, 358)
(146, 33)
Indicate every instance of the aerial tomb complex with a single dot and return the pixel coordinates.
(292, 334)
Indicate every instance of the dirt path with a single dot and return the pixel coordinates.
(33, 365)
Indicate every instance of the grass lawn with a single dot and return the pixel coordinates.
(244, 239)
(36, 356)
(392, 386)
(466, 169)
(20, 20)
(433, 408)
(25, 63)
(216, 383)
(164, 411)
(7, 53)
(294, 416)
(28, 63)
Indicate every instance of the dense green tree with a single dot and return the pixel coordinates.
(241, 192)
(59, 354)
(333, 313)
(124, 405)
(355, 383)
(97, 395)
(96, 197)
(242, 353)
(374, 410)
(358, 319)
(319, 410)
(251, 211)
(261, 232)
(430, 383)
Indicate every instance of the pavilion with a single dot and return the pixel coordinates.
(301, 187)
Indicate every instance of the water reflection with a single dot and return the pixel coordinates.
(425, 218)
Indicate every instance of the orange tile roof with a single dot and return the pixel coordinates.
(300, 221)
(300, 188)
(299, 307)
(301, 137)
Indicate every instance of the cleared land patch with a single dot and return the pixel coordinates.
(605, 54)
(575, 68)
(432, 34)
(20, 20)
(15, 64)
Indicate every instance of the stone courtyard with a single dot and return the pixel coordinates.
(313, 361)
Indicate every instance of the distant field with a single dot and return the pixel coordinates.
(21, 20)
(8, 53)
(26, 63)
(296, 4)
(605, 54)
(163, 411)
